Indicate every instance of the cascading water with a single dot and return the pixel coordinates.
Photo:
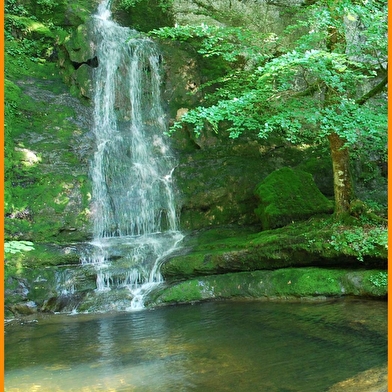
(134, 215)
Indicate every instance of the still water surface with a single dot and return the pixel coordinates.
(210, 347)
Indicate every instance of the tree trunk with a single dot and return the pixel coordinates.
(343, 188)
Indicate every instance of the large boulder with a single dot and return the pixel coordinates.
(288, 195)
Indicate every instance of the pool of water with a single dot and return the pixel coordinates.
(240, 346)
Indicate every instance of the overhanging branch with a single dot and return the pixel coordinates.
(374, 91)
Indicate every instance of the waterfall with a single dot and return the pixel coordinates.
(133, 210)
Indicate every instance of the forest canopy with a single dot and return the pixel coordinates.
(323, 79)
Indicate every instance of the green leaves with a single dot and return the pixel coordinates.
(304, 93)
(229, 43)
(239, 112)
(296, 70)
(18, 246)
(379, 279)
(360, 241)
(128, 4)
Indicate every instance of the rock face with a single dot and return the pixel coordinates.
(215, 176)
(49, 194)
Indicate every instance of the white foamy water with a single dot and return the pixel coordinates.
(133, 206)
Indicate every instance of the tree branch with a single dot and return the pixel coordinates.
(308, 91)
(374, 91)
(286, 3)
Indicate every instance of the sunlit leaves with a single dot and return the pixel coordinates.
(362, 23)
(18, 246)
(229, 43)
(129, 4)
(332, 70)
(305, 93)
(240, 113)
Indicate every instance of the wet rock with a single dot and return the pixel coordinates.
(23, 308)
(46, 288)
(83, 78)
(63, 303)
(372, 380)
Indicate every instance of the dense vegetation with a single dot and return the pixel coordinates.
(323, 79)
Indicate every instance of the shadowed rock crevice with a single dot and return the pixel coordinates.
(93, 63)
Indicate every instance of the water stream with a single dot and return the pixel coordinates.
(134, 214)
(210, 347)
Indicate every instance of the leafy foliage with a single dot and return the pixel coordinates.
(379, 279)
(230, 43)
(18, 246)
(360, 240)
(13, 7)
(47, 5)
(26, 37)
(305, 93)
(128, 4)
(325, 83)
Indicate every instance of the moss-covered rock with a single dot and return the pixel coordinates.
(287, 283)
(216, 180)
(47, 143)
(44, 254)
(143, 15)
(181, 80)
(289, 195)
(79, 45)
(61, 12)
(311, 243)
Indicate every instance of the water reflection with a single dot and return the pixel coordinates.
(227, 346)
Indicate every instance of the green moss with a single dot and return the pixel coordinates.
(79, 12)
(143, 15)
(218, 180)
(279, 284)
(59, 12)
(41, 210)
(189, 291)
(307, 282)
(369, 282)
(29, 25)
(44, 178)
(314, 242)
(288, 195)
(40, 183)
(78, 45)
(12, 93)
(43, 255)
